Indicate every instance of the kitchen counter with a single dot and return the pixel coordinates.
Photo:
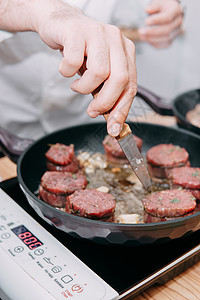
(184, 286)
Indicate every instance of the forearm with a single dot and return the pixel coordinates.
(17, 15)
(25, 15)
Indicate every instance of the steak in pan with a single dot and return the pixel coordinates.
(55, 186)
(167, 205)
(61, 157)
(162, 158)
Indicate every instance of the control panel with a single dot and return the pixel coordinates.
(44, 259)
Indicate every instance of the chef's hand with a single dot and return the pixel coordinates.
(110, 59)
(163, 23)
(110, 56)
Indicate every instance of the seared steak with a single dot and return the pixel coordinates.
(92, 204)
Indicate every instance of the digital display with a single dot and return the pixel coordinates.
(29, 239)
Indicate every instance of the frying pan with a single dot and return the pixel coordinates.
(178, 107)
(31, 166)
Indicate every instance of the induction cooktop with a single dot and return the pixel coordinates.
(128, 270)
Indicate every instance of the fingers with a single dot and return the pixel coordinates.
(118, 77)
(163, 18)
(161, 32)
(163, 42)
(121, 108)
(119, 88)
(97, 66)
(119, 113)
(153, 7)
(163, 12)
(73, 56)
(163, 25)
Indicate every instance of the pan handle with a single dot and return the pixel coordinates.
(155, 102)
(12, 145)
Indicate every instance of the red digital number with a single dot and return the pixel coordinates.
(24, 235)
(30, 241)
(33, 246)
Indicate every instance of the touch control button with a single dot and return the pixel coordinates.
(48, 260)
(5, 235)
(66, 278)
(38, 251)
(56, 269)
(77, 288)
(18, 249)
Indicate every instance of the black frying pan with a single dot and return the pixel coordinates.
(178, 107)
(31, 166)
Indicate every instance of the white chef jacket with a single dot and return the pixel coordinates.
(35, 98)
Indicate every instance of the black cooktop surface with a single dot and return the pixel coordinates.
(121, 267)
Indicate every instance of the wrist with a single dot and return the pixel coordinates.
(43, 12)
(53, 10)
(52, 20)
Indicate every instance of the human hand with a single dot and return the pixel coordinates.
(110, 60)
(163, 23)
